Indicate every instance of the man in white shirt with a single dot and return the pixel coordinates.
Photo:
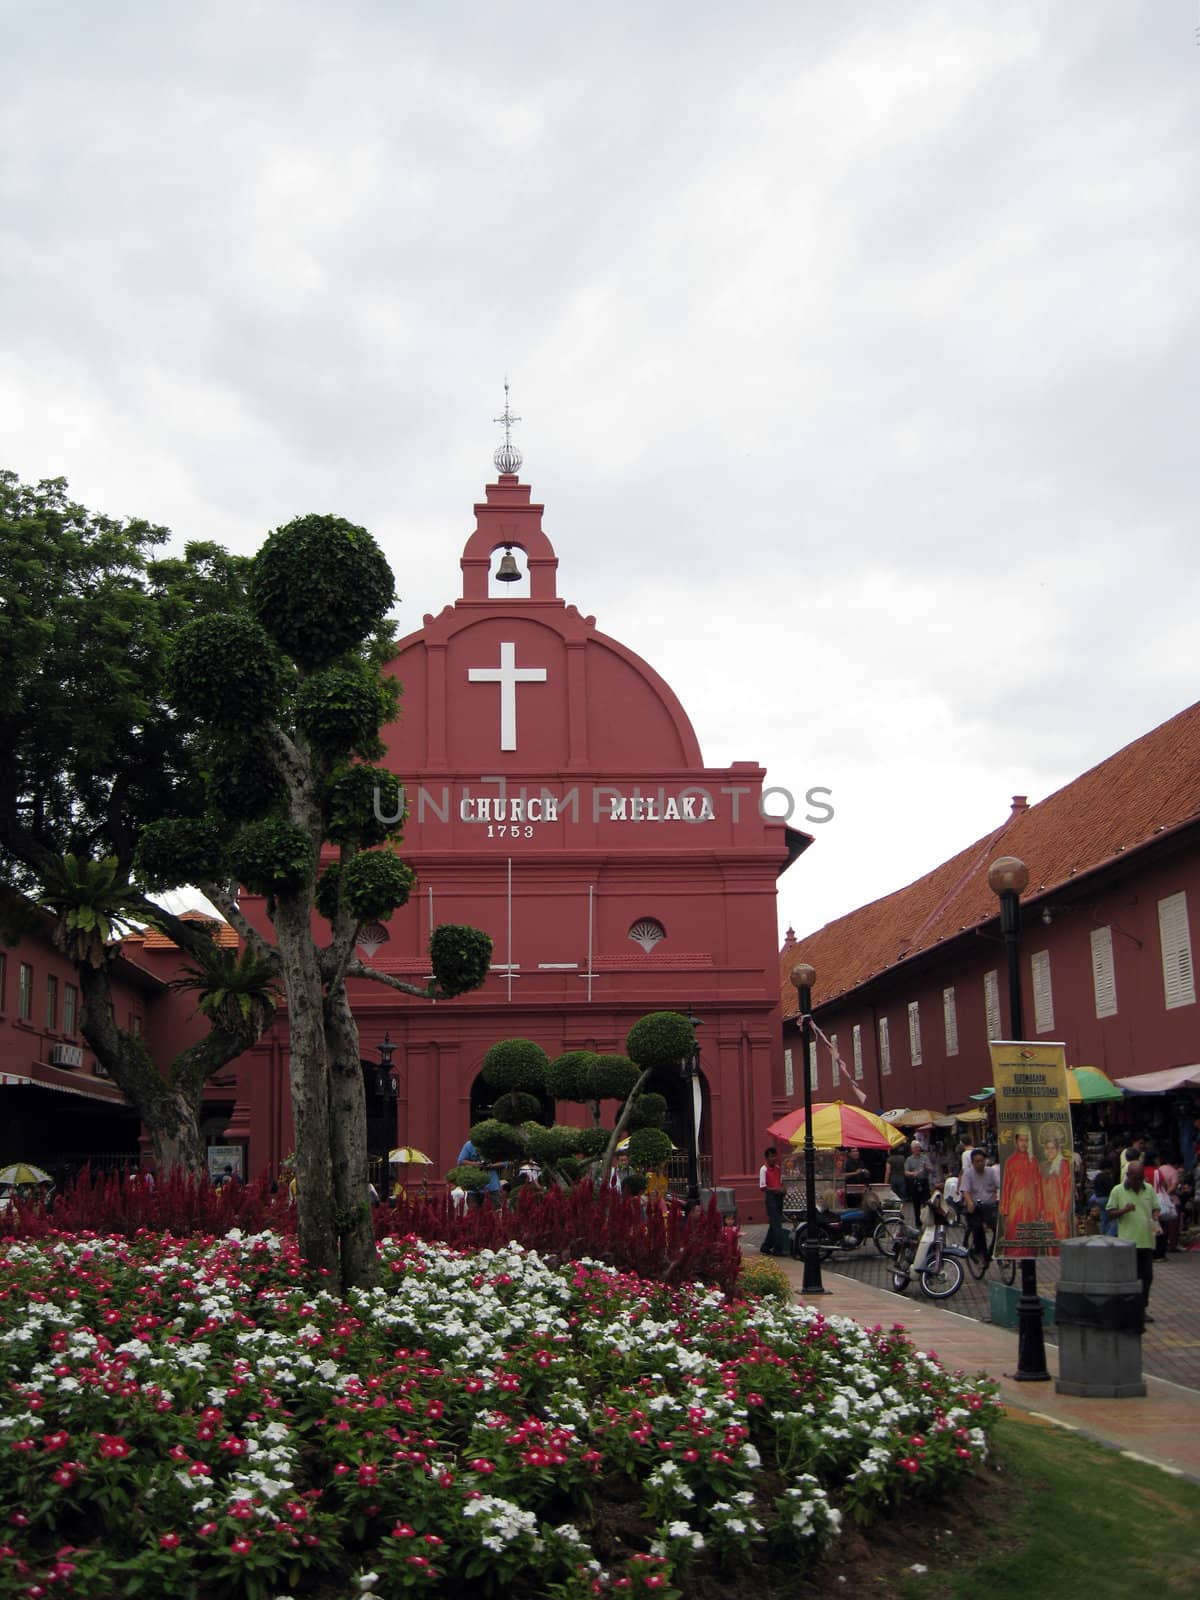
(980, 1191)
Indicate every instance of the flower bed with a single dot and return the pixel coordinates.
(194, 1418)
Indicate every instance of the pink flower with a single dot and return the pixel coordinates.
(169, 1541)
(113, 1446)
(403, 1531)
(910, 1465)
(481, 1465)
(241, 1547)
(65, 1476)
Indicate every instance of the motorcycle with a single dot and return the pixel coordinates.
(834, 1230)
(928, 1254)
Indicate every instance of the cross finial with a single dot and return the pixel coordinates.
(507, 457)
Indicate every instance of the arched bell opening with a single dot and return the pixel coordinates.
(508, 575)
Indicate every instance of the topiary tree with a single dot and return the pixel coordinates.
(515, 1065)
(288, 785)
(659, 1041)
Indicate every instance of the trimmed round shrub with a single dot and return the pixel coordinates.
(648, 1111)
(356, 802)
(320, 585)
(496, 1140)
(566, 1076)
(244, 782)
(550, 1146)
(591, 1142)
(224, 670)
(648, 1147)
(340, 709)
(375, 884)
(179, 850)
(517, 1107)
(660, 1039)
(272, 856)
(472, 1179)
(515, 1064)
(329, 888)
(611, 1078)
(460, 957)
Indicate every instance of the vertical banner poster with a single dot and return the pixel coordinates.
(1033, 1130)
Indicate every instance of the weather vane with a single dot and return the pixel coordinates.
(506, 456)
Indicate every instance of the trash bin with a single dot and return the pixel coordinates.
(1099, 1315)
(726, 1202)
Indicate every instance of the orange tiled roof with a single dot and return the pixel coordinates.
(1146, 789)
(223, 934)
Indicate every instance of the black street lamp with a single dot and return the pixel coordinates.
(387, 1072)
(689, 1071)
(1007, 876)
(803, 977)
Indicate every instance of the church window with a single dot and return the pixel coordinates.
(647, 932)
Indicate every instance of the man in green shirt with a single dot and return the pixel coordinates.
(1135, 1206)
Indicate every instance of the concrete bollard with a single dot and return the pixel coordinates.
(1099, 1315)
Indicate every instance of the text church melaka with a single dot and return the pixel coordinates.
(556, 799)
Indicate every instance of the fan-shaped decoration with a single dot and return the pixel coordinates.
(370, 937)
(647, 932)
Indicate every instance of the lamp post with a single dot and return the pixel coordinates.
(689, 1069)
(803, 977)
(1007, 876)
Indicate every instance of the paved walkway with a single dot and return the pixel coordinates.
(1162, 1427)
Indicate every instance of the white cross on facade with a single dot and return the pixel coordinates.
(508, 675)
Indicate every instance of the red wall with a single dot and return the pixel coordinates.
(1143, 1036)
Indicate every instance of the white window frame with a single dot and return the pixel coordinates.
(1104, 972)
(814, 1066)
(1043, 992)
(885, 1049)
(25, 992)
(914, 1032)
(833, 1055)
(1175, 941)
(857, 1042)
(950, 1020)
(789, 1078)
(991, 1003)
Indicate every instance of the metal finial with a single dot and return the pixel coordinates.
(507, 457)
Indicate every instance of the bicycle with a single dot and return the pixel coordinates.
(979, 1259)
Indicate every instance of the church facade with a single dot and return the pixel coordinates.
(558, 800)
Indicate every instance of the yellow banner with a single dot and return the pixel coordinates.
(1033, 1128)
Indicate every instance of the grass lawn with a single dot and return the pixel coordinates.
(1080, 1521)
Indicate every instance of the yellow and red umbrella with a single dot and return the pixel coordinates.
(836, 1124)
(408, 1156)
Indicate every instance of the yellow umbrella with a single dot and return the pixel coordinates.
(23, 1172)
(408, 1156)
(1086, 1084)
(836, 1124)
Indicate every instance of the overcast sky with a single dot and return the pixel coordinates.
(856, 345)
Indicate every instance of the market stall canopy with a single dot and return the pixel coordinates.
(835, 1124)
(1162, 1082)
(1089, 1084)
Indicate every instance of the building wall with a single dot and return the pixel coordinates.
(1143, 1035)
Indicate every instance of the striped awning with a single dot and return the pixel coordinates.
(110, 1097)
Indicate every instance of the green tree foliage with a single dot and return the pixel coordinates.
(515, 1064)
(660, 1039)
(320, 586)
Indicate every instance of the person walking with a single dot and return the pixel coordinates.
(770, 1182)
(1134, 1204)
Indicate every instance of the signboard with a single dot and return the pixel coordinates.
(221, 1156)
(1033, 1127)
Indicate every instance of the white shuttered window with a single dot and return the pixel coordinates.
(1104, 973)
(914, 1031)
(789, 1081)
(857, 1050)
(885, 1049)
(833, 1055)
(950, 1015)
(1179, 983)
(814, 1070)
(991, 1002)
(1043, 994)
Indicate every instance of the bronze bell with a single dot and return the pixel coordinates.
(508, 570)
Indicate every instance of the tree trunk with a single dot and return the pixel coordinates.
(169, 1112)
(310, 1082)
(348, 1129)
